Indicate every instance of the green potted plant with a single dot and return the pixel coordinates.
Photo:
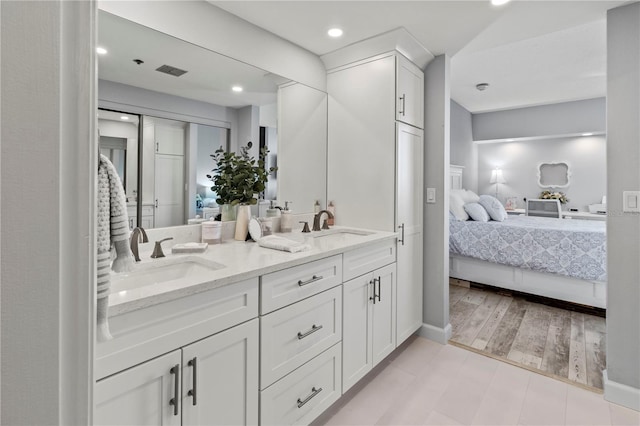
(237, 179)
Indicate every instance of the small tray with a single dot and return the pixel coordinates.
(189, 248)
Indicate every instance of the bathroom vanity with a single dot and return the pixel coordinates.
(242, 334)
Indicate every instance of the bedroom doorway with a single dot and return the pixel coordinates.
(561, 343)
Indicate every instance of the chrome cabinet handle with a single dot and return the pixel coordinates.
(379, 287)
(402, 235)
(309, 281)
(175, 401)
(194, 381)
(373, 281)
(314, 392)
(402, 98)
(314, 328)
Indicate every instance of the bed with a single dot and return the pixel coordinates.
(557, 258)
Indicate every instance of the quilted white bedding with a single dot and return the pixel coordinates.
(575, 248)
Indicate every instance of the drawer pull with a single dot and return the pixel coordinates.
(314, 328)
(193, 392)
(379, 289)
(314, 392)
(175, 401)
(312, 280)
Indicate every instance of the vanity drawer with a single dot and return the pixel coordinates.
(304, 394)
(285, 287)
(361, 261)
(293, 335)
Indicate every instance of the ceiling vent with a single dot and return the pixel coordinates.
(168, 69)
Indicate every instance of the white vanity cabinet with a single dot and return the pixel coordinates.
(210, 382)
(369, 310)
(369, 332)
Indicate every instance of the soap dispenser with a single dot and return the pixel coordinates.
(316, 207)
(273, 211)
(332, 209)
(286, 220)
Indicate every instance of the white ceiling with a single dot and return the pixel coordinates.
(530, 52)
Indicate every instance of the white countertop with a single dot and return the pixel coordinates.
(240, 260)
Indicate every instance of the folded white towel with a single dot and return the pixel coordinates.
(280, 243)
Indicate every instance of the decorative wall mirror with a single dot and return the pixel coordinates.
(554, 175)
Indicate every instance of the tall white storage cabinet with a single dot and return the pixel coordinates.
(375, 156)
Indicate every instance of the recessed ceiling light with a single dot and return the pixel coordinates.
(101, 51)
(124, 117)
(236, 89)
(587, 134)
(334, 32)
(499, 2)
(482, 86)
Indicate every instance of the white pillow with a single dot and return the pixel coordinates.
(493, 207)
(470, 197)
(476, 212)
(456, 206)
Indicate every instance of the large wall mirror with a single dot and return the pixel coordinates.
(166, 105)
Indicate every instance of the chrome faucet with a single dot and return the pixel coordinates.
(138, 235)
(157, 249)
(316, 220)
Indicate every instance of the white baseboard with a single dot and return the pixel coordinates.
(437, 334)
(621, 394)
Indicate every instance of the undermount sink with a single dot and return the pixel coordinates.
(340, 233)
(186, 270)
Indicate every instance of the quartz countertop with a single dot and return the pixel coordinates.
(238, 261)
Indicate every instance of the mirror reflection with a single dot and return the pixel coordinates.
(181, 107)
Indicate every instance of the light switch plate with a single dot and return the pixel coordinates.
(630, 201)
(431, 195)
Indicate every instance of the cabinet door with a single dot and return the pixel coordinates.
(140, 395)
(356, 330)
(409, 93)
(169, 140)
(409, 286)
(409, 203)
(169, 190)
(383, 318)
(221, 386)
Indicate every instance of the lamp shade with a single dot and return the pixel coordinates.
(497, 177)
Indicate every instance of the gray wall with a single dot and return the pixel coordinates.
(47, 270)
(436, 216)
(623, 229)
(463, 151)
(567, 118)
(519, 161)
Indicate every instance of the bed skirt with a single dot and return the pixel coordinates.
(561, 287)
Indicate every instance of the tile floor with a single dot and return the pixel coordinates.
(425, 383)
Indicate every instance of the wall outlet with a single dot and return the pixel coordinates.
(431, 195)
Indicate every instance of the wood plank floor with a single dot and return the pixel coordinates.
(564, 344)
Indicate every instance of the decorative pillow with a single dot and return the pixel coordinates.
(493, 207)
(470, 197)
(456, 206)
(476, 212)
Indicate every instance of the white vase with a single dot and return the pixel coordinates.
(243, 214)
(227, 212)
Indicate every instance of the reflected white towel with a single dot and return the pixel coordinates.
(113, 233)
(280, 243)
